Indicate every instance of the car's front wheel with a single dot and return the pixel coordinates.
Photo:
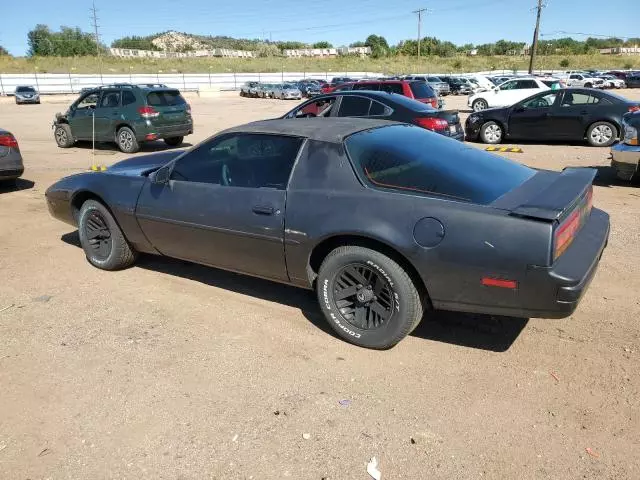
(126, 140)
(101, 238)
(63, 135)
(491, 133)
(601, 134)
(174, 141)
(368, 298)
(479, 105)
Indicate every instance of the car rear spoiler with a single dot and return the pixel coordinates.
(558, 197)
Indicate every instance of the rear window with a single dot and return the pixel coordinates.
(366, 86)
(165, 98)
(412, 159)
(422, 90)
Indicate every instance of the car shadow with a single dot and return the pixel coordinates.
(20, 184)
(156, 146)
(483, 332)
(606, 177)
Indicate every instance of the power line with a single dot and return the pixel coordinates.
(534, 44)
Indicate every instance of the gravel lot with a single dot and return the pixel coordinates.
(175, 371)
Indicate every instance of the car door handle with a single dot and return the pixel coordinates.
(263, 210)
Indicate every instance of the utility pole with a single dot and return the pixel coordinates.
(94, 19)
(419, 12)
(534, 44)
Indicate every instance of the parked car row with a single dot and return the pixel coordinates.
(283, 91)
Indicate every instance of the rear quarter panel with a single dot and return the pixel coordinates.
(325, 199)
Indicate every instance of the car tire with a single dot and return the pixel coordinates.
(479, 105)
(174, 141)
(241, 93)
(491, 133)
(389, 305)
(63, 136)
(588, 85)
(602, 134)
(103, 242)
(126, 140)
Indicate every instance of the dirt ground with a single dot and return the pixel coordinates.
(174, 371)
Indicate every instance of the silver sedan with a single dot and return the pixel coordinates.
(26, 94)
(287, 91)
(11, 166)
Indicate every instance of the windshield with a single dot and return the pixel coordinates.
(25, 90)
(434, 80)
(412, 159)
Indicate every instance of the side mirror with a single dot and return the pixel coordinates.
(161, 176)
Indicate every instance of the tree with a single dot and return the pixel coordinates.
(68, 42)
(564, 63)
(357, 44)
(322, 44)
(134, 42)
(3, 52)
(378, 44)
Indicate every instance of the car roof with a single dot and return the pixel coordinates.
(331, 130)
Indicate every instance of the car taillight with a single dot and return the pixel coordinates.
(8, 140)
(148, 112)
(188, 108)
(568, 229)
(634, 108)
(431, 123)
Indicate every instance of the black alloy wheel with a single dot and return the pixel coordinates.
(363, 296)
(98, 235)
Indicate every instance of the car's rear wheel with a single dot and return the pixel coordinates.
(63, 135)
(479, 105)
(101, 238)
(491, 133)
(368, 298)
(601, 134)
(126, 140)
(174, 141)
(588, 85)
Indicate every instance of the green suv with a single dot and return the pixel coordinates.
(127, 115)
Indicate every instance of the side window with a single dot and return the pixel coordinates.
(508, 86)
(526, 84)
(241, 160)
(574, 77)
(354, 107)
(577, 99)
(366, 86)
(128, 98)
(378, 108)
(110, 100)
(392, 88)
(543, 101)
(316, 108)
(89, 101)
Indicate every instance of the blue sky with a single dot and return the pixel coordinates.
(460, 21)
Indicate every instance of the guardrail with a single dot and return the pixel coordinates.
(72, 83)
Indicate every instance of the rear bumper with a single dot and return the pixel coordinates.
(625, 160)
(10, 174)
(161, 132)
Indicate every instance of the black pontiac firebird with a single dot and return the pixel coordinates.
(384, 220)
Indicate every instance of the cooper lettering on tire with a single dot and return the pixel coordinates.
(367, 297)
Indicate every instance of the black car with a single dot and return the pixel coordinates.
(570, 114)
(633, 80)
(457, 85)
(382, 106)
(384, 220)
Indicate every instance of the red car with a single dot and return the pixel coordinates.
(416, 89)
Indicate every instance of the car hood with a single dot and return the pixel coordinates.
(144, 164)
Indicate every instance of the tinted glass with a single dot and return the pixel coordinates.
(540, 101)
(366, 86)
(434, 79)
(407, 158)
(128, 98)
(354, 107)
(572, 99)
(88, 101)
(411, 104)
(245, 160)
(165, 98)
(25, 90)
(421, 90)
(522, 84)
(392, 88)
(377, 108)
(110, 100)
